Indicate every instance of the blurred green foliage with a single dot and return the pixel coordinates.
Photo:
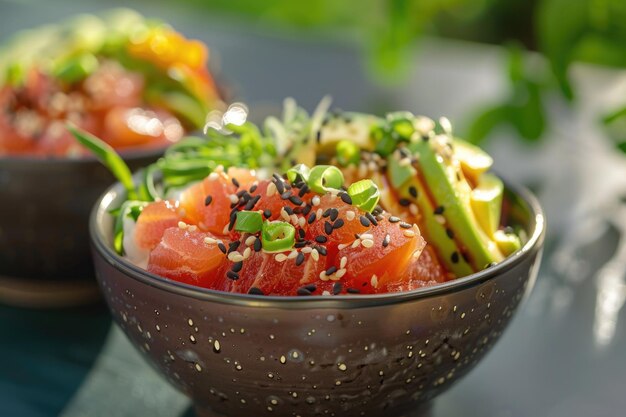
(564, 31)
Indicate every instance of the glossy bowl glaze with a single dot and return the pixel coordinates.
(377, 355)
(44, 238)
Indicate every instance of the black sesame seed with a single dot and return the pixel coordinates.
(241, 193)
(286, 195)
(311, 218)
(235, 182)
(237, 266)
(311, 287)
(208, 200)
(413, 191)
(232, 275)
(371, 218)
(289, 210)
(303, 291)
(300, 244)
(232, 246)
(334, 213)
(338, 224)
(345, 197)
(321, 239)
(321, 250)
(222, 247)
(326, 213)
(253, 188)
(303, 190)
(295, 200)
(301, 233)
(454, 257)
(378, 210)
(328, 227)
(280, 186)
(337, 287)
(394, 219)
(250, 204)
(353, 290)
(318, 136)
(439, 210)
(364, 221)
(267, 213)
(450, 233)
(331, 270)
(257, 245)
(405, 225)
(255, 291)
(404, 202)
(299, 258)
(386, 240)
(306, 209)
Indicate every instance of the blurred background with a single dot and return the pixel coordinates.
(541, 84)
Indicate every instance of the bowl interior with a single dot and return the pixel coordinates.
(523, 211)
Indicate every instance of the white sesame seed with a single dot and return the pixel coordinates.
(192, 228)
(356, 243)
(284, 214)
(225, 230)
(292, 254)
(213, 176)
(318, 213)
(413, 209)
(306, 249)
(343, 262)
(409, 233)
(367, 243)
(294, 219)
(301, 221)
(440, 219)
(404, 162)
(182, 225)
(342, 246)
(350, 215)
(281, 257)
(250, 240)
(315, 255)
(373, 166)
(332, 196)
(219, 169)
(247, 252)
(323, 293)
(233, 198)
(271, 189)
(367, 236)
(315, 201)
(323, 276)
(209, 240)
(235, 257)
(374, 281)
(340, 273)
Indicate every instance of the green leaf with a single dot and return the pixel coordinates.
(107, 155)
(487, 121)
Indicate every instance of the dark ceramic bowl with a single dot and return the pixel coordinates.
(44, 238)
(377, 355)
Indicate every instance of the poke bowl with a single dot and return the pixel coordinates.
(257, 352)
(102, 74)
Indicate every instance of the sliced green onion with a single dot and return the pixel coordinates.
(249, 221)
(77, 68)
(348, 153)
(302, 171)
(364, 194)
(324, 178)
(386, 145)
(277, 236)
(131, 209)
(147, 189)
(402, 124)
(107, 155)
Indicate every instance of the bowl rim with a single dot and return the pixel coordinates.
(128, 269)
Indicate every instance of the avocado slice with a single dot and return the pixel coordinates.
(486, 202)
(450, 190)
(474, 161)
(508, 243)
(436, 233)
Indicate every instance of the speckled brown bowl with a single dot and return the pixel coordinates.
(44, 238)
(378, 355)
